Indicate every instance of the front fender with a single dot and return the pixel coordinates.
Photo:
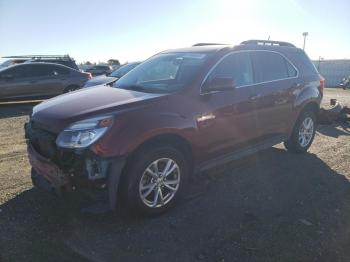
(134, 131)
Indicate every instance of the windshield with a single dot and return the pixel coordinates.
(163, 73)
(123, 70)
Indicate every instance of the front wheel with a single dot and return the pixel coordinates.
(155, 180)
(303, 133)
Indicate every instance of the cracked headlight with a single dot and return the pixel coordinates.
(84, 133)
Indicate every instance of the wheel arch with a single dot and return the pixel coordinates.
(311, 106)
(173, 140)
(170, 139)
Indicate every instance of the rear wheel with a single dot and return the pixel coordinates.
(303, 133)
(155, 180)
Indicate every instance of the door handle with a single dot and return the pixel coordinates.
(255, 97)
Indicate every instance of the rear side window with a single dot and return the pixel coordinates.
(291, 70)
(304, 63)
(238, 66)
(57, 70)
(269, 66)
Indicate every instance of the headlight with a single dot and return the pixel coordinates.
(84, 133)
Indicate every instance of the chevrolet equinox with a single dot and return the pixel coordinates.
(180, 112)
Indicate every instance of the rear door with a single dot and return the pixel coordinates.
(272, 95)
(60, 78)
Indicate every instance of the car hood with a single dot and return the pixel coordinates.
(57, 113)
(100, 80)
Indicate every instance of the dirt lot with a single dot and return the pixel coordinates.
(272, 206)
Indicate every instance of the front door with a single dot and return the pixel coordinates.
(228, 121)
(16, 82)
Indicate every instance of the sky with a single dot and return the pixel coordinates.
(97, 30)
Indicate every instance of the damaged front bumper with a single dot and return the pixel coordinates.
(81, 171)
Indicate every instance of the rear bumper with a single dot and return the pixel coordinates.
(50, 177)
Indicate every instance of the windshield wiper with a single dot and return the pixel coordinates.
(135, 88)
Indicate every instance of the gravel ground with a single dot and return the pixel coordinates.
(272, 206)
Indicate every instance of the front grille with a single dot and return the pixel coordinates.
(43, 141)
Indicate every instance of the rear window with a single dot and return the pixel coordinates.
(269, 66)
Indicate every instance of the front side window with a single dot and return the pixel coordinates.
(238, 66)
(21, 71)
(270, 66)
(164, 73)
(37, 70)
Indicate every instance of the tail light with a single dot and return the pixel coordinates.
(322, 83)
(89, 76)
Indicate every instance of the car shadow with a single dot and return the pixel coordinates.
(272, 206)
(334, 130)
(15, 109)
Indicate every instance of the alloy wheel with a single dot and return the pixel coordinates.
(159, 182)
(306, 131)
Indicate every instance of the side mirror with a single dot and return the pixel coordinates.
(220, 83)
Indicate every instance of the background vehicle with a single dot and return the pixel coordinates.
(99, 70)
(180, 111)
(345, 83)
(39, 80)
(114, 76)
(65, 60)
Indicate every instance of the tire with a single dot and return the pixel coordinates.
(138, 177)
(295, 143)
(70, 89)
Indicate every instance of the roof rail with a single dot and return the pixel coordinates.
(267, 42)
(40, 56)
(205, 44)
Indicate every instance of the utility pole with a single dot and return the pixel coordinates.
(305, 34)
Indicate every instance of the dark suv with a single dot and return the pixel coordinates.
(179, 112)
(65, 60)
(100, 70)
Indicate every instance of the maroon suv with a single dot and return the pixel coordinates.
(179, 112)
